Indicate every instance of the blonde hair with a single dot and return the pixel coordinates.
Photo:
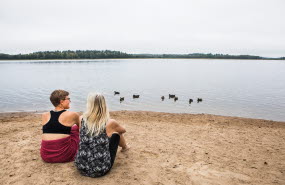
(96, 115)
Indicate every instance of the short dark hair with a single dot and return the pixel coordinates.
(58, 95)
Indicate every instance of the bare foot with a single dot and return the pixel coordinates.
(126, 148)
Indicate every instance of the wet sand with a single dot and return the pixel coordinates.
(166, 149)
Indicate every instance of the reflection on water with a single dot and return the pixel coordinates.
(246, 88)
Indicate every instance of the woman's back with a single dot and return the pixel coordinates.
(57, 124)
(93, 157)
(60, 136)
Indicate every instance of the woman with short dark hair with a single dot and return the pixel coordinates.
(60, 136)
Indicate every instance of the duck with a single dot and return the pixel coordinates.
(136, 96)
(171, 96)
(199, 100)
(116, 92)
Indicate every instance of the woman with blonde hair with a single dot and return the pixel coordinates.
(100, 137)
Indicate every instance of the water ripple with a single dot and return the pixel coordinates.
(228, 87)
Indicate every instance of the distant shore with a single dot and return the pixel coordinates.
(167, 148)
(142, 58)
(108, 54)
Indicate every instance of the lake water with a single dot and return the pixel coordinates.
(244, 88)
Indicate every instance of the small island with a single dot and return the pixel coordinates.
(108, 54)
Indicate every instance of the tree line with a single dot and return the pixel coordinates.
(105, 54)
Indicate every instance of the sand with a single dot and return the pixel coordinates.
(166, 149)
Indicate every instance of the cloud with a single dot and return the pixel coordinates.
(157, 26)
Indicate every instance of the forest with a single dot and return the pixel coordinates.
(108, 54)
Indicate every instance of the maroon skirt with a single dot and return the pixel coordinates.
(61, 150)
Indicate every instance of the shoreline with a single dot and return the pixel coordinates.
(167, 148)
(80, 112)
(83, 59)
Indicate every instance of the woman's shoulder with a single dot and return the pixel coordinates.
(45, 117)
(71, 114)
(70, 117)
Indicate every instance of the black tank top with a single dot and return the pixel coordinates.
(53, 126)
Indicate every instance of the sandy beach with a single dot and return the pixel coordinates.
(166, 149)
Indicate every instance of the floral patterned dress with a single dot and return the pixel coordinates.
(93, 157)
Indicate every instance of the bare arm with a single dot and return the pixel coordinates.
(76, 119)
(70, 118)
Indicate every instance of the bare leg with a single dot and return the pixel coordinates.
(123, 143)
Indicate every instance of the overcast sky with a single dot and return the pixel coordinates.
(255, 27)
